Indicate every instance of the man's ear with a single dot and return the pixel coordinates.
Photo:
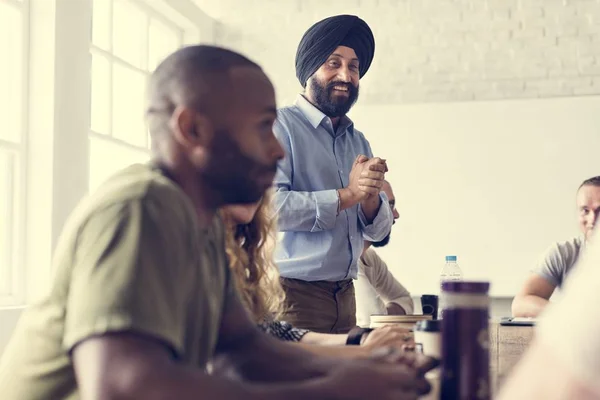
(190, 128)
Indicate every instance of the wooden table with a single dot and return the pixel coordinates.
(507, 345)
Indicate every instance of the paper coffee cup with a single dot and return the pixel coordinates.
(428, 337)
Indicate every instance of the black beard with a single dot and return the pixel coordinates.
(383, 242)
(332, 106)
(232, 173)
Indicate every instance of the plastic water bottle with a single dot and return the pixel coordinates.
(450, 272)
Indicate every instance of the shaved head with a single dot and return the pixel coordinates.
(387, 189)
(210, 115)
(588, 205)
(196, 77)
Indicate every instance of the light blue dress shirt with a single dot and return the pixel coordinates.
(314, 242)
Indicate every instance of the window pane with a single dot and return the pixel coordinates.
(130, 28)
(108, 157)
(11, 72)
(129, 88)
(7, 211)
(162, 41)
(100, 118)
(101, 24)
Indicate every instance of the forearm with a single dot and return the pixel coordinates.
(347, 198)
(259, 359)
(128, 367)
(528, 306)
(395, 309)
(324, 339)
(185, 383)
(401, 304)
(339, 351)
(395, 296)
(311, 389)
(190, 384)
(305, 211)
(370, 207)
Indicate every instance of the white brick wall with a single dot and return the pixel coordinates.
(434, 50)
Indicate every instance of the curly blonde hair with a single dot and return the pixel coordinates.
(250, 248)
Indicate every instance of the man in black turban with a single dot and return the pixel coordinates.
(328, 186)
(326, 47)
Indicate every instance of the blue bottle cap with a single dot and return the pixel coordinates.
(450, 258)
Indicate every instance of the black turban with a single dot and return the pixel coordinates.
(321, 39)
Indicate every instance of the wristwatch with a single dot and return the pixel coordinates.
(355, 335)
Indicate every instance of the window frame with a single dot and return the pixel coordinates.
(16, 217)
(109, 56)
(54, 168)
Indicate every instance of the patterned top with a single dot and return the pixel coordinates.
(283, 331)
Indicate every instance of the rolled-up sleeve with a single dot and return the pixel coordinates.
(388, 287)
(305, 211)
(406, 302)
(382, 223)
(297, 210)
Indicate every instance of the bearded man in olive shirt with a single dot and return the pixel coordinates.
(142, 297)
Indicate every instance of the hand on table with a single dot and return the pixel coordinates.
(387, 375)
(389, 335)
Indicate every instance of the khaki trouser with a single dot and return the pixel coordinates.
(320, 306)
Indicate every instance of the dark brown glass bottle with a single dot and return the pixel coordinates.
(465, 341)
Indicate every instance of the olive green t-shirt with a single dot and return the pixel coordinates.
(132, 257)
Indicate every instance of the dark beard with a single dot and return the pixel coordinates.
(383, 242)
(234, 174)
(327, 103)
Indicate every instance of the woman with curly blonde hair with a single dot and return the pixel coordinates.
(249, 247)
(250, 240)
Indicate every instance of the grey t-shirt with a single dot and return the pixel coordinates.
(558, 260)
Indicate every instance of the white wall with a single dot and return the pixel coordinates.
(433, 50)
(492, 182)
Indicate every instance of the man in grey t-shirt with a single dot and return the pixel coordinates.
(561, 257)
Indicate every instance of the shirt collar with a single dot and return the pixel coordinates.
(316, 116)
